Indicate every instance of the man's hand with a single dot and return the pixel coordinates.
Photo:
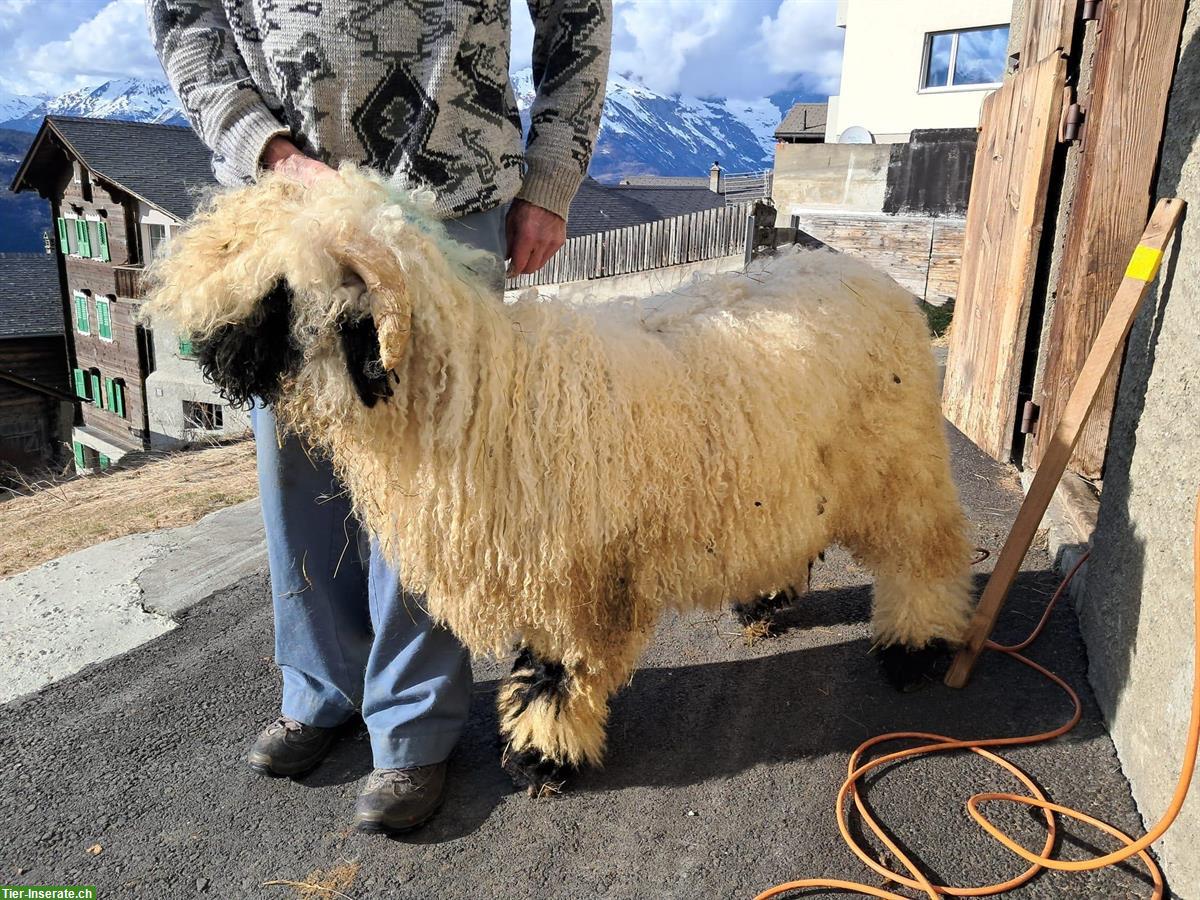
(534, 235)
(282, 156)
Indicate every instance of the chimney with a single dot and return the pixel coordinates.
(714, 177)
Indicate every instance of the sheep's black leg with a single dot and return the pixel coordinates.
(535, 688)
(757, 617)
(911, 668)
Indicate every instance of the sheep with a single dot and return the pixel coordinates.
(556, 475)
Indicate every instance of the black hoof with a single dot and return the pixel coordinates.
(909, 669)
(534, 773)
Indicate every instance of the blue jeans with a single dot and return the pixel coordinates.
(347, 634)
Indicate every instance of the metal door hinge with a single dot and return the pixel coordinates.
(1029, 417)
(1091, 10)
(1072, 122)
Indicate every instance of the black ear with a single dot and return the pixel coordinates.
(247, 361)
(360, 343)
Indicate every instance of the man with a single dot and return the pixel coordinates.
(418, 89)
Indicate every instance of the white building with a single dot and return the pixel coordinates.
(911, 64)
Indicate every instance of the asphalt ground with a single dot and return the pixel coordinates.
(719, 782)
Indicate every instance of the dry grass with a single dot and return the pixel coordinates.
(321, 883)
(49, 518)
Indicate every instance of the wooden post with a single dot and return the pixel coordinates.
(1140, 272)
(749, 251)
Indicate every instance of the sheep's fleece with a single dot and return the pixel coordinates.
(556, 474)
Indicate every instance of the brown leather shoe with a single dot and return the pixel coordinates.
(396, 800)
(288, 747)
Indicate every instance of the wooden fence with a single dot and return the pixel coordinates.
(707, 234)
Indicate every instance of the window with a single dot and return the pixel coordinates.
(82, 319)
(83, 241)
(104, 318)
(185, 348)
(972, 58)
(80, 458)
(156, 236)
(97, 396)
(64, 242)
(114, 396)
(204, 416)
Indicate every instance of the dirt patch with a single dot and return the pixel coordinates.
(49, 519)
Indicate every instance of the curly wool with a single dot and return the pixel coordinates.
(562, 473)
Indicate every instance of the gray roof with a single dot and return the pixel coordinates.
(804, 119)
(30, 298)
(163, 164)
(601, 207)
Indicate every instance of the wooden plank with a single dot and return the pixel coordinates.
(1101, 362)
(1019, 127)
(1049, 28)
(1134, 61)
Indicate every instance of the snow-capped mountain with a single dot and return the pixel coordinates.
(642, 132)
(129, 99)
(14, 106)
(646, 133)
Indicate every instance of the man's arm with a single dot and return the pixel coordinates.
(570, 70)
(195, 43)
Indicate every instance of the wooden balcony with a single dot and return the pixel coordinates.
(129, 281)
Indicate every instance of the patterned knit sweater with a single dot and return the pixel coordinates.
(419, 88)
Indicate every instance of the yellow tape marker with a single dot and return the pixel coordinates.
(1144, 263)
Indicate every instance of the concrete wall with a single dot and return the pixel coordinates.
(845, 176)
(881, 66)
(1136, 607)
(174, 380)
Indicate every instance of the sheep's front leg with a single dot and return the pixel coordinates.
(552, 721)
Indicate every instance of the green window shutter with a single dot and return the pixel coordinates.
(82, 320)
(63, 241)
(185, 346)
(80, 384)
(104, 318)
(102, 240)
(110, 392)
(78, 448)
(82, 239)
(119, 387)
(104, 461)
(97, 397)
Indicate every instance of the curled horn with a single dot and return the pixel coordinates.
(391, 306)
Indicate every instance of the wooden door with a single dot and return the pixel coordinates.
(1134, 61)
(1005, 215)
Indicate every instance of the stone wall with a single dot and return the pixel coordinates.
(1136, 607)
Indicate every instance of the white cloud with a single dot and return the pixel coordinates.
(801, 39)
(106, 39)
(732, 48)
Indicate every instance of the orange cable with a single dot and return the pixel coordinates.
(915, 879)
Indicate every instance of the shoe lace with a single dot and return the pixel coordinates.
(394, 776)
(285, 724)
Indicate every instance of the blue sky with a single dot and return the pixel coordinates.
(733, 48)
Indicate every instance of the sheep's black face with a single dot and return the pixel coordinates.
(360, 344)
(249, 360)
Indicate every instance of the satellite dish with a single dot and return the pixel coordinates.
(856, 134)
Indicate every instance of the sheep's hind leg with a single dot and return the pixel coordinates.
(551, 723)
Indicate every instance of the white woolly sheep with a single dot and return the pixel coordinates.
(559, 474)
